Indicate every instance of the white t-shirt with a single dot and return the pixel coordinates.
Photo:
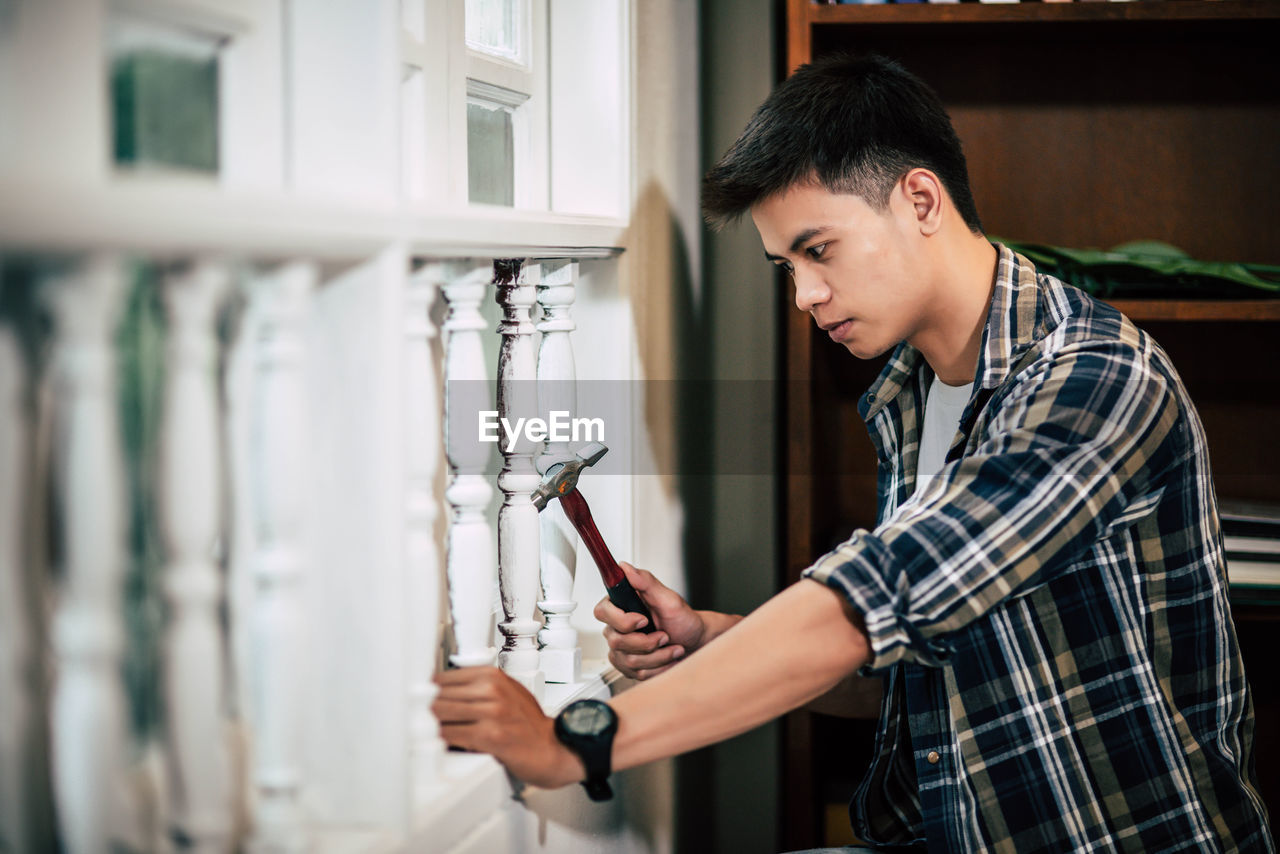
(942, 410)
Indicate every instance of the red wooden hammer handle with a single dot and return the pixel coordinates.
(620, 591)
(575, 507)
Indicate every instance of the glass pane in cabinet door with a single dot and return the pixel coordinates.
(490, 154)
(164, 98)
(493, 27)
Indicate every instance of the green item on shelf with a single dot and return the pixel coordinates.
(1149, 268)
(165, 111)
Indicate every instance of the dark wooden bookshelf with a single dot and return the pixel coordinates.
(1043, 13)
(1085, 124)
(1145, 310)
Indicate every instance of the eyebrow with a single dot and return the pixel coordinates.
(801, 239)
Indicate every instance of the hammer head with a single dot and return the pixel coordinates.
(562, 477)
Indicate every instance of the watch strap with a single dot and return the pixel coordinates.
(598, 789)
(596, 753)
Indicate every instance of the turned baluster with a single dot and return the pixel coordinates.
(471, 569)
(561, 657)
(190, 508)
(423, 446)
(88, 713)
(278, 462)
(518, 535)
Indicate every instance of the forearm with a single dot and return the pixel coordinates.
(716, 624)
(852, 697)
(793, 648)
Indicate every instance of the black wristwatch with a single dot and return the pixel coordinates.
(587, 728)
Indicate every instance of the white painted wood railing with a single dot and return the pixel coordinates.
(518, 525)
(281, 299)
(88, 702)
(191, 515)
(216, 790)
(561, 656)
(423, 414)
(472, 572)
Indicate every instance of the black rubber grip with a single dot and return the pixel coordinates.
(625, 597)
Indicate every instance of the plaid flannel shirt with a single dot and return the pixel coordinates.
(1050, 613)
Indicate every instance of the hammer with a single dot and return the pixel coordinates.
(560, 480)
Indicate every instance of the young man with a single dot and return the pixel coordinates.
(1045, 592)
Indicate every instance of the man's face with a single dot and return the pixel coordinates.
(852, 266)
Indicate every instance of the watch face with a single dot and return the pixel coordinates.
(588, 717)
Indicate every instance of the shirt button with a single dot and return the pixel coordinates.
(933, 757)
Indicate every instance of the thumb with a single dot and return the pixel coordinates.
(640, 579)
(653, 591)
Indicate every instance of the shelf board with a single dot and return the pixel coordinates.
(1198, 309)
(989, 13)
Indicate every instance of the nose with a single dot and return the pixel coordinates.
(811, 289)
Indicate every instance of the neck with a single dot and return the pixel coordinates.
(951, 338)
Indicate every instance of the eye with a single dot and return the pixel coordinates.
(786, 267)
(815, 252)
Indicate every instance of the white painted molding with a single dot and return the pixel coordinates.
(142, 214)
(89, 729)
(422, 565)
(279, 464)
(471, 569)
(518, 534)
(561, 656)
(190, 509)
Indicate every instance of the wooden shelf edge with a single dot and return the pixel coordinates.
(1030, 12)
(1186, 309)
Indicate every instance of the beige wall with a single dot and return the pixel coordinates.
(706, 308)
(743, 318)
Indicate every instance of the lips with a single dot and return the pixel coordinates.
(837, 331)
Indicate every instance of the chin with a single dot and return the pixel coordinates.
(863, 349)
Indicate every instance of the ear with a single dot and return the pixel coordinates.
(922, 190)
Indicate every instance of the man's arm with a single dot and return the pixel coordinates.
(681, 629)
(793, 648)
(1077, 449)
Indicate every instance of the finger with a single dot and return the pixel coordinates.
(613, 616)
(654, 593)
(635, 642)
(465, 736)
(648, 661)
(473, 690)
(468, 676)
(641, 579)
(607, 612)
(455, 712)
(649, 674)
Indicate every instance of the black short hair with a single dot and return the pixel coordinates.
(856, 124)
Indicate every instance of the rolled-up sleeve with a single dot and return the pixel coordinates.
(1078, 447)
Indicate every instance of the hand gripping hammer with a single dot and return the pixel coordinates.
(560, 480)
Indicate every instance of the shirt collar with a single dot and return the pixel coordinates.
(1014, 323)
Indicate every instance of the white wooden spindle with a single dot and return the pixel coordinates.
(190, 478)
(279, 461)
(518, 534)
(471, 570)
(561, 657)
(89, 728)
(423, 414)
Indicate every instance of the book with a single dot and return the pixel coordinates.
(1259, 515)
(1257, 547)
(1253, 573)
